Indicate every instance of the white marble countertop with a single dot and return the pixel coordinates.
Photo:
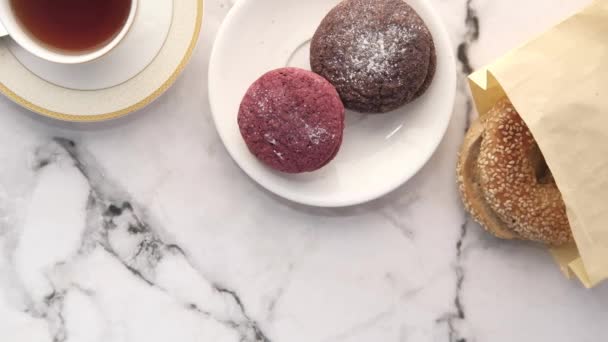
(143, 229)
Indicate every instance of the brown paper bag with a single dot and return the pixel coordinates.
(558, 82)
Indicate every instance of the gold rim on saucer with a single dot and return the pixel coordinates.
(115, 114)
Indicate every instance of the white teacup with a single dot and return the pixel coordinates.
(10, 26)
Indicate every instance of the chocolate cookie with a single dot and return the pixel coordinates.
(292, 120)
(379, 54)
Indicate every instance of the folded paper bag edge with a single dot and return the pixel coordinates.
(486, 90)
(579, 269)
(548, 80)
(485, 95)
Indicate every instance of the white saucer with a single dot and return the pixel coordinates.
(136, 72)
(146, 37)
(379, 152)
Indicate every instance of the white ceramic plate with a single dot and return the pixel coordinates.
(379, 152)
(134, 74)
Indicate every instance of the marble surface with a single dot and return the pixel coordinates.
(143, 229)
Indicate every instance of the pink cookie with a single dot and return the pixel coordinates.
(292, 120)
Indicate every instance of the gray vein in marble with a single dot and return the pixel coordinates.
(117, 226)
(358, 328)
(471, 36)
(253, 333)
(458, 315)
(455, 318)
(395, 208)
(54, 315)
(399, 224)
(397, 211)
(272, 303)
(258, 334)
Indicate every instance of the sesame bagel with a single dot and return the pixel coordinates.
(470, 185)
(506, 184)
